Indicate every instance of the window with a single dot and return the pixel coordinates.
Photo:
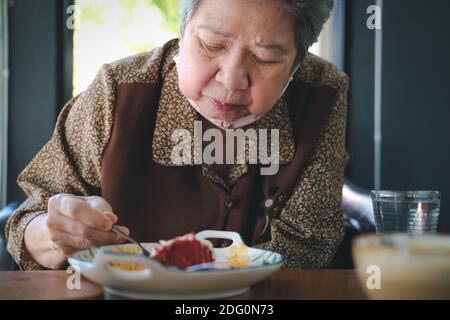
(108, 30)
(3, 99)
(331, 41)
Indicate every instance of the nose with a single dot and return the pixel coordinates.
(233, 74)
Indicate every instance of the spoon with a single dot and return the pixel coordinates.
(116, 230)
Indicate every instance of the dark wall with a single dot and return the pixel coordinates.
(416, 97)
(39, 69)
(33, 81)
(359, 65)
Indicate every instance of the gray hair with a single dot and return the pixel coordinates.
(310, 15)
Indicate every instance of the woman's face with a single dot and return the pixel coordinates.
(236, 57)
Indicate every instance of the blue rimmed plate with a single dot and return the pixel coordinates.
(122, 270)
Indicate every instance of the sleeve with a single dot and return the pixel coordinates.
(69, 163)
(311, 226)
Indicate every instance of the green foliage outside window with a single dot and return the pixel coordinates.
(169, 8)
(108, 30)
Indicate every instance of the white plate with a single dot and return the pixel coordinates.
(155, 281)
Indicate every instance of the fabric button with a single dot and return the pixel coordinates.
(268, 203)
(230, 202)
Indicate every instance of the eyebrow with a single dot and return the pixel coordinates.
(273, 46)
(214, 30)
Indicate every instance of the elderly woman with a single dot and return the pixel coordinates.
(114, 156)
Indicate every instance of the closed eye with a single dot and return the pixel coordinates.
(212, 47)
(262, 61)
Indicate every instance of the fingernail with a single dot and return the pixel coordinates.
(124, 230)
(112, 217)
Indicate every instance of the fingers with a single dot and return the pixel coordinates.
(87, 210)
(76, 222)
(100, 204)
(60, 223)
(124, 229)
(112, 217)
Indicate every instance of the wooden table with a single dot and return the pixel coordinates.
(284, 284)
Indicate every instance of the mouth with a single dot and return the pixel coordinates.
(222, 106)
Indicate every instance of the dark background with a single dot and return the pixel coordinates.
(416, 97)
(416, 91)
(40, 54)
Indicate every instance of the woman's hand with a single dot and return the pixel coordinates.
(71, 223)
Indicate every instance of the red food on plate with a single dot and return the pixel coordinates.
(184, 251)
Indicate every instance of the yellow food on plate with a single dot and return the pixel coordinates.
(127, 266)
(128, 249)
(238, 256)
